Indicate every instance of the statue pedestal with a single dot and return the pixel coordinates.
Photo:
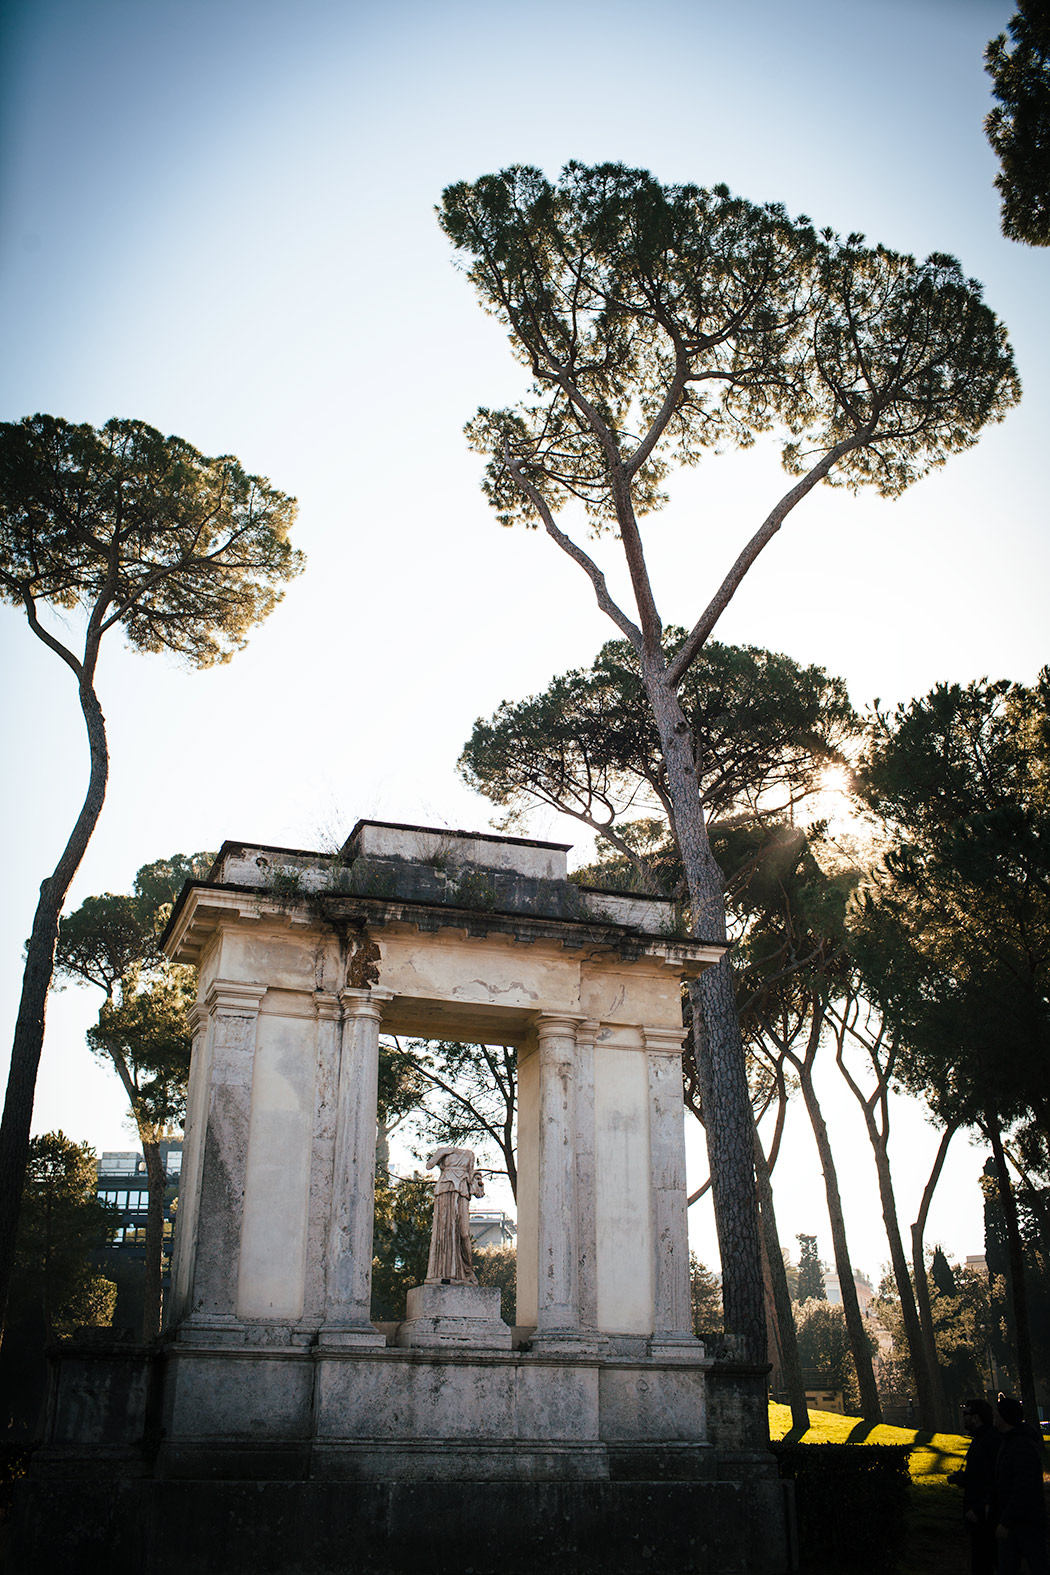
(442, 1316)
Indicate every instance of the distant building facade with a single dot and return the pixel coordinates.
(492, 1228)
(123, 1184)
(865, 1290)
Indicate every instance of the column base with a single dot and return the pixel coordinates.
(350, 1336)
(676, 1348)
(568, 1342)
(218, 1330)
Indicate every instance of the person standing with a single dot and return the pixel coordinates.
(1019, 1507)
(977, 1480)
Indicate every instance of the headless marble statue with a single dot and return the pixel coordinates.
(450, 1246)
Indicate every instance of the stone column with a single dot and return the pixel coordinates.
(672, 1313)
(348, 1281)
(326, 1082)
(558, 1302)
(177, 1303)
(586, 1212)
(234, 1009)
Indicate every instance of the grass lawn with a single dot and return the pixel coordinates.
(937, 1543)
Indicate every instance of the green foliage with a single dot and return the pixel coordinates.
(185, 553)
(954, 939)
(142, 1029)
(1019, 127)
(498, 1266)
(1000, 1325)
(401, 1082)
(147, 1032)
(810, 1272)
(763, 727)
(143, 1026)
(60, 1225)
(964, 1322)
(157, 885)
(110, 936)
(850, 1501)
(705, 1298)
(941, 1274)
(824, 1346)
(658, 322)
(400, 1243)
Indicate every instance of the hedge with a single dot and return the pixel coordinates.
(850, 1500)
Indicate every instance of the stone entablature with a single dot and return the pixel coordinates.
(413, 868)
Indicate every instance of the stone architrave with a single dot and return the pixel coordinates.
(349, 1263)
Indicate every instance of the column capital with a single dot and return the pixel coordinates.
(364, 1003)
(551, 1024)
(197, 1017)
(665, 1041)
(326, 1006)
(234, 995)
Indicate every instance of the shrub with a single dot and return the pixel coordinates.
(850, 1500)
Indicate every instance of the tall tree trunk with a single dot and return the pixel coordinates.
(870, 1408)
(782, 1316)
(720, 1063)
(1018, 1282)
(151, 1301)
(774, 1355)
(36, 981)
(944, 1419)
(925, 1387)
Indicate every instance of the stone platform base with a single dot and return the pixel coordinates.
(441, 1317)
(399, 1462)
(397, 1528)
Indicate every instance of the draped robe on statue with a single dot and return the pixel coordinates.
(450, 1245)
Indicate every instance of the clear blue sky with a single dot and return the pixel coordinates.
(218, 217)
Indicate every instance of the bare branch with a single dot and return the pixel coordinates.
(48, 639)
(702, 629)
(577, 554)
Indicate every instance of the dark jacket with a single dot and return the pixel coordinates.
(1019, 1480)
(978, 1474)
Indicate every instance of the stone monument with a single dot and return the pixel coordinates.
(276, 1427)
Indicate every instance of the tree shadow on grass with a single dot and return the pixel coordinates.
(863, 1430)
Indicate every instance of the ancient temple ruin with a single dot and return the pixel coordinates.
(598, 1429)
